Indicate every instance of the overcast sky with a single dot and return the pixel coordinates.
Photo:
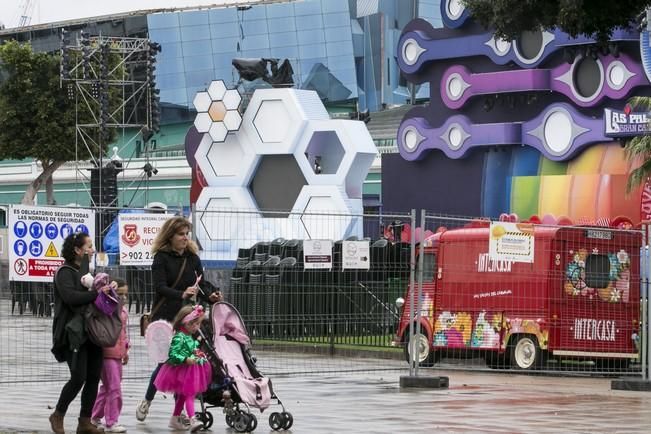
(48, 11)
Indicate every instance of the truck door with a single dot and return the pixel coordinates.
(598, 298)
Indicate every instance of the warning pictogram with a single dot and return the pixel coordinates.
(52, 251)
(20, 266)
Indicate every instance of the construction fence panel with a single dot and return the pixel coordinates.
(298, 315)
(524, 297)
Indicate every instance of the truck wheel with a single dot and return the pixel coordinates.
(525, 353)
(421, 343)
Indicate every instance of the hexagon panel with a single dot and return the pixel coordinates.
(325, 139)
(217, 111)
(276, 184)
(229, 163)
(278, 117)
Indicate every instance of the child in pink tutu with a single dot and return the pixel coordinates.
(186, 371)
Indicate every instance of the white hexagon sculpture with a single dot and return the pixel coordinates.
(277, 121)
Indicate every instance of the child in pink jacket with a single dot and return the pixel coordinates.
(109, 398)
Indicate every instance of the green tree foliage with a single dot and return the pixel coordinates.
(37, 117)
(509, 18)
(639, 148)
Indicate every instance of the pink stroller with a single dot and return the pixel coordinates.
(236, 384)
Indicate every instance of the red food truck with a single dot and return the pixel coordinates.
(578, 299)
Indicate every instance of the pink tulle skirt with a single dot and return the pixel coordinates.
(184, 379)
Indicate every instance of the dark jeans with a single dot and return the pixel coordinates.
(151, 389)
(85, 370)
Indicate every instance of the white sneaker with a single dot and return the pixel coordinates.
(96, 422)
(195, 423)
(115, 428)
(176, 423)
(142, 410)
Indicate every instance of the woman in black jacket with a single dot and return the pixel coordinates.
(176, 273)
(70, 342)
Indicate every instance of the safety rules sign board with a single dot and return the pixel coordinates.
(137, 233)
(36, 236)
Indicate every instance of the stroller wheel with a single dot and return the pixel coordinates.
(288, 420)
(276, 421)
(229, 420)
(253, 423)
(207, 419)
(241, 422)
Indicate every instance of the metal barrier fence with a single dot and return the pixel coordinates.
(288, 307)
(575, 308)
(579, 307)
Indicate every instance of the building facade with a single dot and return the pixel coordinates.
(345, 50)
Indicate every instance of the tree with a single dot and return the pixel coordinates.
(638, 149)
(509, 18)
(37, 118)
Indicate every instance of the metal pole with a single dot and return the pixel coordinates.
(421, 250)
(412, 266)
(643, 296)
(646, 338)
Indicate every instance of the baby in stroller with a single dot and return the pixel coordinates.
(236, 383)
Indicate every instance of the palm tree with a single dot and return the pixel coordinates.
(638, 148)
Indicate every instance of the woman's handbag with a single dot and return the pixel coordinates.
(145, 319)
(103, 330)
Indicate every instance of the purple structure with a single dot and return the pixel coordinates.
(559, 133)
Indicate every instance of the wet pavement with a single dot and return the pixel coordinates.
(367, 402)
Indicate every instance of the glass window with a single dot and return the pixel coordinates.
(256, 27)
(199, 78)
(285, 24)
(174, 96)
(311, 37)
(339, 48)
(225, 30)
(334, 6)
(255, 13)
(163, 20)
(170, 81)
(336, 20)
(346, 76)
(222, 15)
(333, 34)
(282, 39)
(290, 52)
(171, 66)
(193, 18)
(263, 52)
(195, 48)
(195, 33)
(171, 34)
(280, 10)
(429, 265)
(197, 63)
(597, 271)
(341, 62)
(309, 22)
(308, 7)
(312, 51)
(225, 60)
(170, 50)
(255, 42)
(224, 45)
(306, 65)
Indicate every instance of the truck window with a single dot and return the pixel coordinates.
(597, 271)
(429, 267)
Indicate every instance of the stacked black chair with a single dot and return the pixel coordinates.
(276, 247)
